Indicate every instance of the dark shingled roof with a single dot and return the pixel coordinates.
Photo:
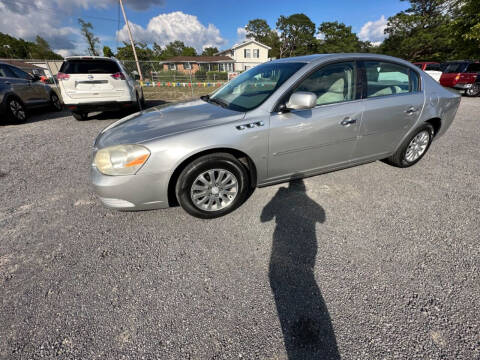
(197, 59)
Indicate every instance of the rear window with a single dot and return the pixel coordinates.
(433, 67)
(89, 67)
(474, 68)
(455, 68)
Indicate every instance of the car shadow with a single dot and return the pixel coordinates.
(304, 318)
(109, 115)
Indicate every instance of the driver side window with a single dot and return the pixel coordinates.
(332, 83)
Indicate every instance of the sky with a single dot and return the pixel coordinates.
(197, 23)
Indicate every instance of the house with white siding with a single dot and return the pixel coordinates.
(247, 54)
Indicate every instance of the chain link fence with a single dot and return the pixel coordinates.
(157, 84)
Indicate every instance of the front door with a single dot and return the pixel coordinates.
(303, 142)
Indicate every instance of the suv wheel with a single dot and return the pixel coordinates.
(414, 148)
(212, 186)
(16, 110)
(474, 90)
(55, 102)
(80, 116)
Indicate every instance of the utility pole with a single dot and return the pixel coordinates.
(131, 40)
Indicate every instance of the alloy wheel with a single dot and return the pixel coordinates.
(17, 110)
(56, 102)
(474, 90)
(214, 189)
(417, 146)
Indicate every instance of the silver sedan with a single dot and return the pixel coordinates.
(281, 120)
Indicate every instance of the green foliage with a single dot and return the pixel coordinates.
(143, 52)
(296, 35)
(92, 41)
(175, 48)
(216, 75)
(466, 27)
(11, 47)
(209, 51)
(259, 30)
(338, 37)
(108, 52)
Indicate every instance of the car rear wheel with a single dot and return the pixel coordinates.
(55, 102)
(212, 186)
(80, 116)
(17, 112)
(414, 148)
(474, 90)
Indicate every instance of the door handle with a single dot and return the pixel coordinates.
(348, 121)
(410, 111)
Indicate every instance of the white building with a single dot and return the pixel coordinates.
(247, 54)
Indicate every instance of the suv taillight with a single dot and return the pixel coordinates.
(62, 76)
(467, 78)
(118, 76)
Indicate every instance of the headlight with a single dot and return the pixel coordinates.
(121, 159)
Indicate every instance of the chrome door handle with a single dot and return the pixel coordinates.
(410, 111)
(348, 121)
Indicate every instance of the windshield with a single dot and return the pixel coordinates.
(253, 87)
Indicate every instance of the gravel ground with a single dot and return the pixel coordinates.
(372, 262)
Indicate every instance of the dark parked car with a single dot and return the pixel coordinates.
(463, 76)
(20, 91)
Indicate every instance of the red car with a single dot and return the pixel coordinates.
(463, 76)
(433, 69)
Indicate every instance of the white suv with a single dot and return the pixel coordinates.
(95, 83)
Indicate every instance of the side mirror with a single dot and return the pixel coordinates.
(301, 100)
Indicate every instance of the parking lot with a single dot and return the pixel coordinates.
(396, 260)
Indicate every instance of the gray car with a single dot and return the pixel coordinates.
(281, 120)
(20, 91)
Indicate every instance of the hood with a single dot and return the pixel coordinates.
(165, 120)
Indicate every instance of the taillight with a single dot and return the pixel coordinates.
(118, 76)
(63, 76)
(467, 78)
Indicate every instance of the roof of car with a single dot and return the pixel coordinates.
(335, 56)
(87, 57)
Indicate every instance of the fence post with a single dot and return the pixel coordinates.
(191, 85)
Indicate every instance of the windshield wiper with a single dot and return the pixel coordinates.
(208, 99)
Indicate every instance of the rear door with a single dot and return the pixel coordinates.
(20, 85)
(393, 103)
(92, 79)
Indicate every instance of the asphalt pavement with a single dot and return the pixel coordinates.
(372, 262)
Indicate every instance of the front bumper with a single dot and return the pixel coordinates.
(131, 192)
(101, 106)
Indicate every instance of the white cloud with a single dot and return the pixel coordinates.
(373, 30)
(241, 34)
(165, 28)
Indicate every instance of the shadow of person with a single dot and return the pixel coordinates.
(306, 325)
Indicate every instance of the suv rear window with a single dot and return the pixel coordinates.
(433, 67)
(89, 67)
(473, 68)
(455, 68)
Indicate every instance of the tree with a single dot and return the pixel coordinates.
(92, 40)
(466, 28)
(209, 51)
(143, 52)
(175, 48)
(338, 37)
(422, 32)
(296, 35)
(259, 30)
(108, 52)
(11, 47)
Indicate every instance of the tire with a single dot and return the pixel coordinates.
(474, 90)
(423, 138)
(80, 116)
(16, 110)
(55, 103)
(224, 193)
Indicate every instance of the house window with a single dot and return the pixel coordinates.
(246, 53)
(187, 66)
(172, 66)
(256, 53)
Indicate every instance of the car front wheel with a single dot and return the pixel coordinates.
(414, 148)
(212, 186)
(55, 102)
(474, 90)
